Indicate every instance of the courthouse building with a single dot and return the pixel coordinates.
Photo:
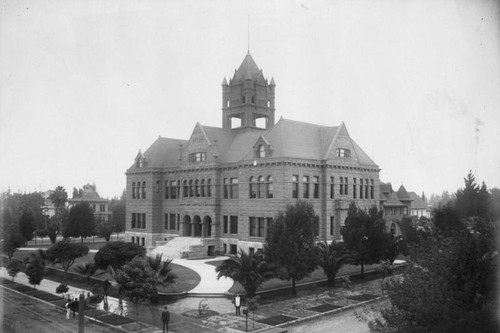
(224, 185)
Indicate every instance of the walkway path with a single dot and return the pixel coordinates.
(209, 284)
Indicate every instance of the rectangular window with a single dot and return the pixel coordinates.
(234, 188)
(224, 225)
(102, 208)
(332, 188)
(133, 221)
(341, 185)
(261, 224)
(269, 223)
(315, 187)
(371, 189)
(173, 189)
(142, 241)
(342, 152)
(295, 186)
(261, 190)
(331, 225)
(226, 188)
(233, 225)
(144, 221)
(346, 186)
(172, 222)
(361, 188)
(144, 190)
(167, 191)
(305, 184)
(366, 188)
(197, 157)
(270, 187)
(132, 239)
(166, 221)
(253, 226)
(354, 185)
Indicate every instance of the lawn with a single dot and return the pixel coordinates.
(188, 279)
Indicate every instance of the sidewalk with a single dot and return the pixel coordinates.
(270, 315)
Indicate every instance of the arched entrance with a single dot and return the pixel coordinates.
(207, 226)
(187, 225)
(196, 226)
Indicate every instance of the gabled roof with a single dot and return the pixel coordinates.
(417, 202)
(164, 152)
(296, 139)
(287, 138)
(403, 194)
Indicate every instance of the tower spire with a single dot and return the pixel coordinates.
(248, 34)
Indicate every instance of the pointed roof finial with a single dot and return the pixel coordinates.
(248, 32)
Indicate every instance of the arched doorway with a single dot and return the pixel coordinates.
(196, 226)
(187, 225)
(207, 226)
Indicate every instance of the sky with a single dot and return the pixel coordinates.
(85, 84)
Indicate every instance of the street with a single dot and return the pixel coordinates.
(21, 313)
(352, 321)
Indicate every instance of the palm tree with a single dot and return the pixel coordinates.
(250, 270)
(163, 269)
(331, 257)
(88, 269)
(59, 197)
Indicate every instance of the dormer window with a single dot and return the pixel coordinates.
(197, 157)
(342, 152)
(262, 151)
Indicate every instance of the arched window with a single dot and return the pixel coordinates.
(262, 151)
(261, 187)
(202, 187)
(196, 188)
(185, 187)
(253, 188)
(191, 192)
(209, 188)
(270, 186)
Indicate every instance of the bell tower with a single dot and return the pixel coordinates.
(248, 98)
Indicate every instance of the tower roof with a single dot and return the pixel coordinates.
(248, 69)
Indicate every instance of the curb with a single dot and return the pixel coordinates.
(319, 315)
(62, 311)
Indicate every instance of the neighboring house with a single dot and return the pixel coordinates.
(224, 185)
(418, 206)
(48, 207)
(395, 204)
(399, 204)
(99, 205)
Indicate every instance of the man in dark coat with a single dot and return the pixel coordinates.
(165, 318)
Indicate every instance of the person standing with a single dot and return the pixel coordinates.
(165, 318)
(68, 309)
(237, 304)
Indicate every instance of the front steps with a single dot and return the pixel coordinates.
(181, 247)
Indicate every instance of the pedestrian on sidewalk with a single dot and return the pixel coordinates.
(74, 306)
(68, 309)
(237, 304)
(165, 318)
